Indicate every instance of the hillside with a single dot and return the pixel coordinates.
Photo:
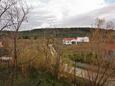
(60, 32)
(57, 32)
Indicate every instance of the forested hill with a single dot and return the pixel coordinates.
(58, 32)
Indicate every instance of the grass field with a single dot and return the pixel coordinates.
(36, 53)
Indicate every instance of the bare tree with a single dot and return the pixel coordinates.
(100, 23)
(103, 62)
(110, 25)
(5, 6)
(100, 70)
(17, 15)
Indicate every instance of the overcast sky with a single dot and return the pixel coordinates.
(68, 13)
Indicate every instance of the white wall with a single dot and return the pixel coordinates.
(77, 40)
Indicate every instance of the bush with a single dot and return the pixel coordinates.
(88, 58)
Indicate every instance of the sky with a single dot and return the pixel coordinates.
(68, 13)
(110, 1)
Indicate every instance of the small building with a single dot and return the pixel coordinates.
(69, 41)
(4, 54)
(82, 39)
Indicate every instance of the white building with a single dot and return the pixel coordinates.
(69, 41)
(3, 55)
(82, 39)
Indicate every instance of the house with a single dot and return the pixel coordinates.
(4, 54)
(82, 39)
(69, 41)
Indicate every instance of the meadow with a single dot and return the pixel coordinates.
(41, 61)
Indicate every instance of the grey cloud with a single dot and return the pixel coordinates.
(40, 15)
(44, 1)
(36, 19)
(88, 19)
